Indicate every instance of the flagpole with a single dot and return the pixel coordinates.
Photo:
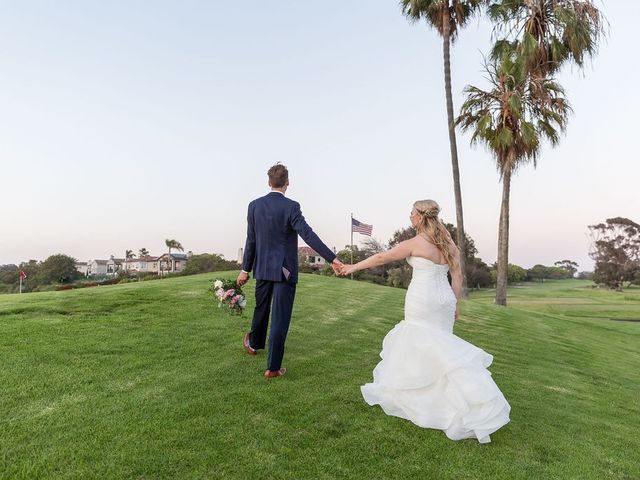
(20, 282)
(351, 242)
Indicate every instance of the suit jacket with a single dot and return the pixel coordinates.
(273, 225)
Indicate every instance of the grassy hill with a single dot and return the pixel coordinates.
(149, 380)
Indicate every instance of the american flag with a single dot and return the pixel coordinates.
(360, 227)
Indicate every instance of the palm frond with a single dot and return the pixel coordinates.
(514, 115)
(551, 32)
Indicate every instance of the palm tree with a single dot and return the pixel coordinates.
(128, 256)
(173, 244)
(511, 119)
(547, 33)
(143, 252)
(447, 17)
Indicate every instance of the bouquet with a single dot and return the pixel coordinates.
(229, 295)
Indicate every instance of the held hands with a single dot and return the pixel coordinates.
(337, 266)
(347, 270)
(340, 269)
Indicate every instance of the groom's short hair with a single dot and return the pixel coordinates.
(278, 175)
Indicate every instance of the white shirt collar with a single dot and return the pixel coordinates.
(277, 191)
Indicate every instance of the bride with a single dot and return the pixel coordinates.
(427, 374)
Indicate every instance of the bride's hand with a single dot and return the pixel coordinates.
(347, 270)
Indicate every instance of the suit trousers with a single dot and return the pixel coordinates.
(278, 298)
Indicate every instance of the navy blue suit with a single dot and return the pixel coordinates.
(271, 251)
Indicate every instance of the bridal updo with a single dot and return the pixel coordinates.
(432, 227)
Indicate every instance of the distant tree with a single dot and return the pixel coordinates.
(128, 255)
(58, 269)
(399, 276)
(570, 266)
(206, 262)
(516, 274)
(371, 246)
(32, 269)
(585, 275)
(143, 252)
(615, 248)
(540, 273)
(173, 244)
(558, 273)
(477, 272)
(9, 275)
(401, 235)
(344, 256)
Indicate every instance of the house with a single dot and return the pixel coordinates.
(170, 263)
(83, 268)
(114, 265)
(142, 264)
(308, 256)
(96, 267)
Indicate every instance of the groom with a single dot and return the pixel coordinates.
(271, 251)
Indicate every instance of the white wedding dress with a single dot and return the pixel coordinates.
(428, 375)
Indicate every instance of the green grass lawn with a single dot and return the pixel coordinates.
(149, 380)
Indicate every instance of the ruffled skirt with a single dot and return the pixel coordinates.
(437, 380)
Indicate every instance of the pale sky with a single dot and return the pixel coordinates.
(126, 123)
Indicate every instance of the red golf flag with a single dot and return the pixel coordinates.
(23, 275)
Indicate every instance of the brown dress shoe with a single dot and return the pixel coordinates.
(247, 345)
(275, 373)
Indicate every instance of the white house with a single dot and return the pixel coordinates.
(176, 262)
(96, 267)
(114, 265)
(308, 256)
(143, 264)
(83, 268)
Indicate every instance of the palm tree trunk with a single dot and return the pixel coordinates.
(503, 242)
(460, 240)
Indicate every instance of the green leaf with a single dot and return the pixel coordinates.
(505, 137)
(515, 104)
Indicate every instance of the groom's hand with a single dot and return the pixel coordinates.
(347, 270)
(337, 266)
(242, 278)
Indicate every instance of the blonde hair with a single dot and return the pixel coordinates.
(433, 228)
